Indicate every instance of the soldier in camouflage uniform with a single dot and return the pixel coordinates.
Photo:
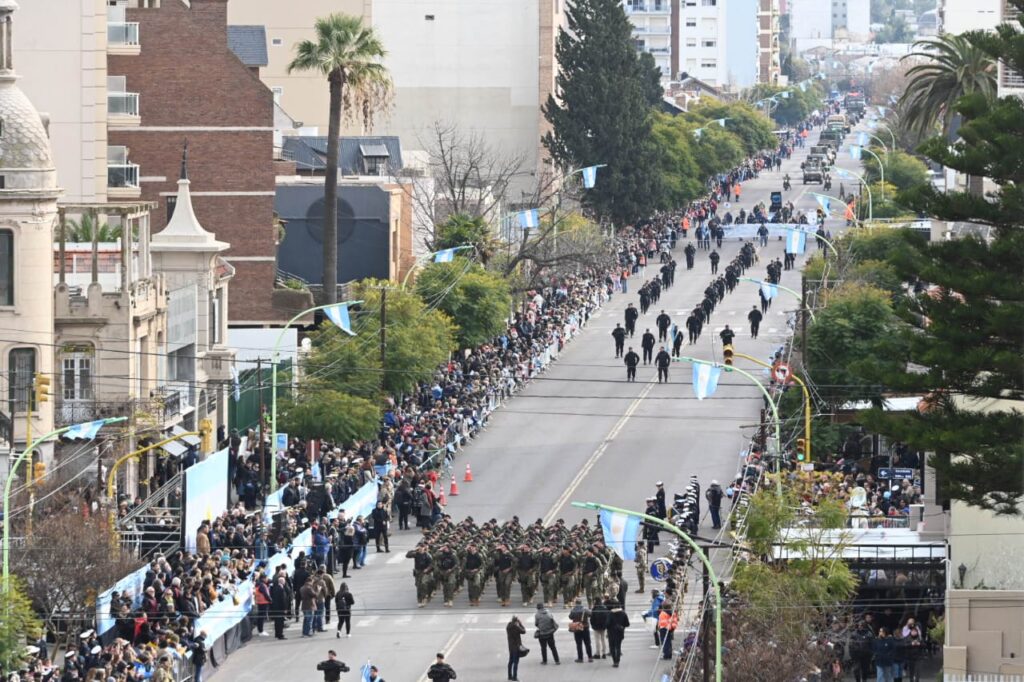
(448, 573)
(504, 565)
(423, 571)
(568, 567)
(473, 568)
(641, 563)
(592, 570)
(526, 572)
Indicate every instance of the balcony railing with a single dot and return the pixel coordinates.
(123, 175)
(660, 50)
(651, 8)
(123, 32)
(124, 103)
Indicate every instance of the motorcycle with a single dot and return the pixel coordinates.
(786, 185)
(828, 182)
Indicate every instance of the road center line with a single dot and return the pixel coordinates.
(554, 511)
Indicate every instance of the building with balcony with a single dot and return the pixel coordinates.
(718, 42)
(769, 62)
(28, 209)
(655, 24)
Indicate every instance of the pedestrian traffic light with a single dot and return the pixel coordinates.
(727, 354)
(38, 471)
(801, 449)
(206, 434)
(42, 388)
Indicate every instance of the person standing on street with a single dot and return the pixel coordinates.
(545, 634)
(755, 318)
(619, 334)
(631, 315)
(640, 562)
(727, 335)
(514, 632)
(664, 322)
(663, 360)
(884, 649)
(441, 671)
(579, 625)
(647, 342)
(343, 601)
(618, 621)
(599, 624)
(667, 623)
(279, 602)
(714, 258)
(381, 524)
(659, 499)
(332, 668)
(714, 497)
(631, 360)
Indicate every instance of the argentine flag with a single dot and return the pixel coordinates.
(862, 139)
(529, 219)
(721, 121)
(769, 290)
(236, 384)
(855, 152)
(589, 177)
(824, 202)
(85, 430)
(445, 256)
(364, 674)
(796, 241)
(705, 379)
(620, 532)
(338, 314)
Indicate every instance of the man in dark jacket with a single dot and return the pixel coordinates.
(663, 360)
(514, 631)
(619, 334)
(381, 525)
(440, 671)
(618, 621)
(631, 315)
(884, 649)
(647, 343)
(714, 498)
(631, 360)
(279, 603)
(332, 668)
(664, 322)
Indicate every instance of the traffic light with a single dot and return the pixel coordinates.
(42, 388)
(38, 471)
(727, 354)
(206, 435)
(801, 449)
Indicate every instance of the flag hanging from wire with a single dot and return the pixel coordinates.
(862, 138)
(796, 241)
(529, 219)
(855, 152)
(825, 203)
(697, 133)
(784, 94)
(803, 87)
(237, 385)
(589, 177)
(85, 430)
(881, 110)
(769, 290)
(620, 531)
(721, 121)
(705, 379)
(338, 315)
(444, 256)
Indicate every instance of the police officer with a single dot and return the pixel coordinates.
(714, 258)
(755, 317)
(727, 335)
(631, 316)
(664, 322)
(619, 334)
(647, 342)
(631, 360)
(663, 360)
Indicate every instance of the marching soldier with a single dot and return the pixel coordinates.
(448, 573)
(503, 566)
(526, 572)
(473, 570)
(641, 563)
(567, 568)
(549, 575)
(423, 571)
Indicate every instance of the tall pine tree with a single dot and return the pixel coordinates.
(966, 345)
(603, 111)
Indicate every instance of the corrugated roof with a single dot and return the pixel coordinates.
(249, 43)
(309, 152)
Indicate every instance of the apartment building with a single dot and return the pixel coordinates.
(959, 16)
(655, 24)
(769, 57)
(719, 42)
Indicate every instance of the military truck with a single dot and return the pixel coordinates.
(813, 170)
(838, 122)
(832, 138)
(825, 152)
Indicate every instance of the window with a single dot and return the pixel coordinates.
(277, 42)
(709, 3)
(6, 267)
(428, 17)
(216, 303)
(691, 22)
(76, 374)
(21, 365)
(1, 127)
(709, 64)
(708, 43)
(640, 45)
(278, 91)
(171, 203)
(691, 42)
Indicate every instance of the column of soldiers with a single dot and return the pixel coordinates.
(714, 294)
(558, 560)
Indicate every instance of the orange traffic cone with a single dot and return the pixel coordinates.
(468, 478)
(440, 496)
(454, 489)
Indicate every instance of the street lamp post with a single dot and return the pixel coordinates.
(419, 263)
(696, 550)
(275, 360)
(795, 293)
(881, 166)
(807, 398)
(7, 492)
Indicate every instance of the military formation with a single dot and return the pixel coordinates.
(715, 292)
(559, 561)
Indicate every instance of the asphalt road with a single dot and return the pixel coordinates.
(579, 432)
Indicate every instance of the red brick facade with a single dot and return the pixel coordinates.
(192, 86)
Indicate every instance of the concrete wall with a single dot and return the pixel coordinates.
(984, 632)
(60, 50)
(957, 16)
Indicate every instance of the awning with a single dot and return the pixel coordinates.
(175, 448)
(373, 150)
(191, 440)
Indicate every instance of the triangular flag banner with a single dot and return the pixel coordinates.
(529, 219)
(881, 110)
(784, 95)
(769, 290)
(721, 121)
(365, 673)
(445, 256)
(705, 379)
(836, 65)
(862, 138)
(338, 314)
(855, 152)
(236, 383)
(620, 532)
(673, 332)
(589, 177)
(824, 202)
(796, 241)
(697, 132)
(872, 124)
(85, 430)
(803, 87)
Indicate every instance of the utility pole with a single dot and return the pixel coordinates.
(383, 334)
(803, 320)
(705, 650)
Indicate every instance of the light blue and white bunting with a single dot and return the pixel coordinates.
(698, 132)
(803, 86)
(862, 138)
(338, 315)
(444, 256)
(769, 290)
(620, 532)
(855, 152)
(529, 219)
(881, 110)
(825, 203)
(721, 121)
(589, 177)
(85, 430)
(364, 674)
(236, 384)
(796, 241)
(705, 379)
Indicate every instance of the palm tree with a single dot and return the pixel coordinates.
(82, 230)
(953, 67)
(348, 54)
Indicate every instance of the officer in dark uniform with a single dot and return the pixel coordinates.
(647, 343)
(755, 317)
(714, 258)
(631, 360)
(663, 360)
(631, 316)
(619, 334)
(664, 322)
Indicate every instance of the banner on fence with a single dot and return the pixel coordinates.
(206, 494)
(226, 613)
(132, 584)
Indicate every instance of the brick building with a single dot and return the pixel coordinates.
(191, 85)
